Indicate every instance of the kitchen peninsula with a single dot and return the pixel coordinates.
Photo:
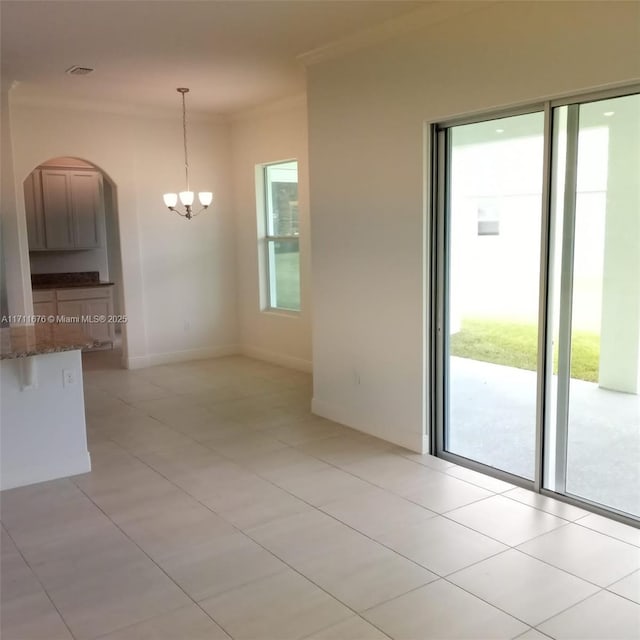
(43, 434)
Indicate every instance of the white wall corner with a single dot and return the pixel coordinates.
(136, 362)
(343, 415)
(277, 106)
(429, 16)
(280, 359)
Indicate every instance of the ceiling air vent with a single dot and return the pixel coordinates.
(79, 71)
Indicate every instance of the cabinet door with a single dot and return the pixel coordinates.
(35, 214)
(71, 309)
(56, 209)
(44, 308)
(86, 202)
(99, 330)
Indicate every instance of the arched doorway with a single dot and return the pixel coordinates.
(74, 247)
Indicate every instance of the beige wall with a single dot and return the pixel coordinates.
(367, 116)
(179, 275)
(270, 135)
(15, 261)
(190, 288)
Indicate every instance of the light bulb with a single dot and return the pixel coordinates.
(186, 197)
(205, 198)
(170, 199)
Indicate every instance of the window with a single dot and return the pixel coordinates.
(488, 218)
(282, 235)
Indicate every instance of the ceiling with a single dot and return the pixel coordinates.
(232, 54)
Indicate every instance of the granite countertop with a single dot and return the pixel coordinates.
(23, 341)
(67, 280)
(70, 285)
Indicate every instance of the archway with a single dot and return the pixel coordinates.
(71, 207)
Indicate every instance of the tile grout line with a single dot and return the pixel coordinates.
(319, 509)
(595, 584)
(244, 533)
(608, 535)
(37, 577)
(444, 514)
(294, 387)
(133, 624)
(445, 577)
(115, 524)
(438, 577)
(400, 456)
(593, 595)
(328, 515)
(333, 624)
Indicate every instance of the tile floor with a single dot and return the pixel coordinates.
(219, 507)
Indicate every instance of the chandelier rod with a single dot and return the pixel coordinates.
(183, 91)
(186, 197)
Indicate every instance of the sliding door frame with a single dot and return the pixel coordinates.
(438, 347)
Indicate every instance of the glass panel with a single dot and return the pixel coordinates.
(597, 431)
(282, 199)
(495, 202)
(284, 272)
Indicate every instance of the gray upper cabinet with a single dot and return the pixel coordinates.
(56, 208)
(35, 217)
(63, 209)
(86, 202)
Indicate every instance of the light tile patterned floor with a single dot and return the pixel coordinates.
(219, 507)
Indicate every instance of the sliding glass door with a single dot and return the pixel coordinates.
(537, 298)
(493, 252)
(593, 441)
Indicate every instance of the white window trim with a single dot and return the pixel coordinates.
(264, 215)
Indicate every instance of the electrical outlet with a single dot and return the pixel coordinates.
(68, 377)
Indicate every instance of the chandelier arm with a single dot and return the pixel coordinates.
(180, 213)
(194, 214)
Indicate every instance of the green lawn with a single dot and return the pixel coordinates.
(515, 345)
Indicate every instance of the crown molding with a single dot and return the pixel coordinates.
(45, 100)
(434, 13)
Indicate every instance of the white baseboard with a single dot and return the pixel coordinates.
(192, 354)
(137, 362)
(171, 357)
(345, 416)
(281, 359)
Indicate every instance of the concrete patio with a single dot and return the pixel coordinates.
(492, 418)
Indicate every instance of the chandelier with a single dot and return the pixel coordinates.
(186, 197)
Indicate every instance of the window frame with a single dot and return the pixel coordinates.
(269, 291)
